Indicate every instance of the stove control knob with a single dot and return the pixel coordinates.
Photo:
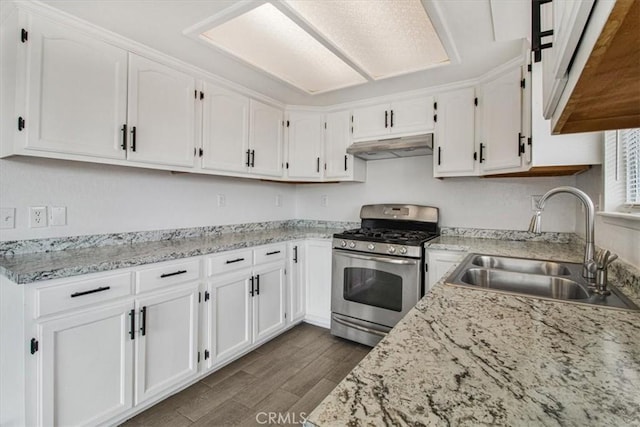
(403, 250)
(343, 244)
(371, 246)
(391, 250)
(352, 245)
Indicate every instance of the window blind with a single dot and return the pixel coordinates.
(630, 143)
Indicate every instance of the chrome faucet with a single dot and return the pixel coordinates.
(589, 264)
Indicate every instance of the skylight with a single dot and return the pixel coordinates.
(319, 46)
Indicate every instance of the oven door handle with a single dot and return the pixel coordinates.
(379, 259)
(358, 327)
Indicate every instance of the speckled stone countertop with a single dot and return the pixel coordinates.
(469, 357)
(27, 268)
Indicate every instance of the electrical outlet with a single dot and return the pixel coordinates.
(7, 218)
(37, 216)
(222, 201)
(57, 215)
(534, 201)
(278, 200)
(324, 200)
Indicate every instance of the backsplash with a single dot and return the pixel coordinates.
(16, 247)
(551, 237)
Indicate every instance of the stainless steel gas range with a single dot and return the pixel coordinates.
(378, 270)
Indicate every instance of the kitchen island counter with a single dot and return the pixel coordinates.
(469, 357)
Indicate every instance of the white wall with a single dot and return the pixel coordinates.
(496, 203)
(619, 236)
(106, 199)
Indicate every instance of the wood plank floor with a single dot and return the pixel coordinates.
(289, 375)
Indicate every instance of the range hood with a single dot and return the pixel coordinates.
(392, 148)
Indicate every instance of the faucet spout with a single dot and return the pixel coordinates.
(589, 249)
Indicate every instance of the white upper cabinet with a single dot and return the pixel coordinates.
(398, 118)
(76, 92)
(454, 152)
(161, 114)
(265, 139)
(337, 137)
(304, 145)
(225, 130)
(501, 139)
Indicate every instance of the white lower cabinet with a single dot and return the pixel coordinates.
(439, 263)
(318, 282)
(296, 282)
(85, 372)
(166, 345)
(244, 307)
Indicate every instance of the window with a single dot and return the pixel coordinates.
(622, 171)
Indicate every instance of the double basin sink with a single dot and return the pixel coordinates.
(536, 278)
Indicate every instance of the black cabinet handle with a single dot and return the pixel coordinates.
(318, 165)
(386, 119)
(391, 118)
(248, 158)
(231, 261)
(439, 155)
(481, 152)
(133, 138)
(345, 162)
(257, 284)
(295, 254)
(175, 273)
(132, 316)
(143, 324)
(252, 292)
(520, 144)
(124, 137)
(253, 158)
(273, 253)
(92, 291)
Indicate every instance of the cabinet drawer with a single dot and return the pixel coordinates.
(80, 293)
(230, 261)
(270, 253)
(168, 274)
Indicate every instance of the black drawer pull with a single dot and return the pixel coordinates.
(133, 139)
(175, 273)
(92, 291)
(273, 253)
(295, 254)
(143, 326)
(252, 292)
(231, 261)
(257, 284)
(132, 315)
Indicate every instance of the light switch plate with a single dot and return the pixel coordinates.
(7, 217)
(222, 201)
(324, 200)
(57, 215)
(278, 200)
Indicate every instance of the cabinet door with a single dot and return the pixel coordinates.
(296, 282)
(269, 301)
(439, 263)
(265, 139)
(455, 143)
(371, 122)
(232, 305)
(225, 130)
(337, 138)
(77, 92)
(166, 347)
(411, 116)
(161, 114)
(501, 105)
(86, 374)
(318, 278)
(304, 145)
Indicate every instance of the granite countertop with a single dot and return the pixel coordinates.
(469, 357)
(28, 268)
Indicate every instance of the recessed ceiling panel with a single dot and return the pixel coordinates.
(267, 39)
(384, 37)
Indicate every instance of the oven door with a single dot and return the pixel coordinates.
(375, 288)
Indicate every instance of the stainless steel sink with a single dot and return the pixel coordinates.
(520, 265)
(530, 284)
(537, 278)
